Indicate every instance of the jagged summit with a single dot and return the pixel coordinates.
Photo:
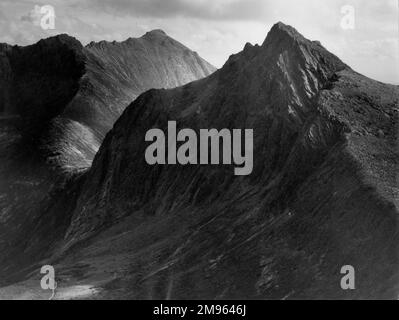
(291, 51)
(88, 87)
(280, 30)
(283, 38)
(285, 63)
(59, 39)
(156, 32)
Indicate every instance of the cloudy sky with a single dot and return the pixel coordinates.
(218, 28)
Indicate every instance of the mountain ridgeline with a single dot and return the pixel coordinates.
(69, 96)
(58, 100)
(322, 194)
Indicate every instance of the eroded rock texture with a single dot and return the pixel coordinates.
(323, 192)
(58, 99)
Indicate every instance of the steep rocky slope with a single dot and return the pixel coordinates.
(323, 192)
(69, 96)
(58, 99)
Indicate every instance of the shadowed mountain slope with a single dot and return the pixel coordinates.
(69, 96)
(58, 99)
(322, 194)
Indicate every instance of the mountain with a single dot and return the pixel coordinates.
(63, 91)
(322, 193)
(58, 99)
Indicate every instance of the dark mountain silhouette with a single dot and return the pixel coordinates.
(323, 192)
(58, 99)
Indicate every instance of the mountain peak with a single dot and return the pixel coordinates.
(292, 53)
(286, 40)
(286, 28)
(156, 32)
(62, 38)
(281, 31)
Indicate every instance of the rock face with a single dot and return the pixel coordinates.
(322, 193)
(58, 99)
(5, 79)
(69, 96)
